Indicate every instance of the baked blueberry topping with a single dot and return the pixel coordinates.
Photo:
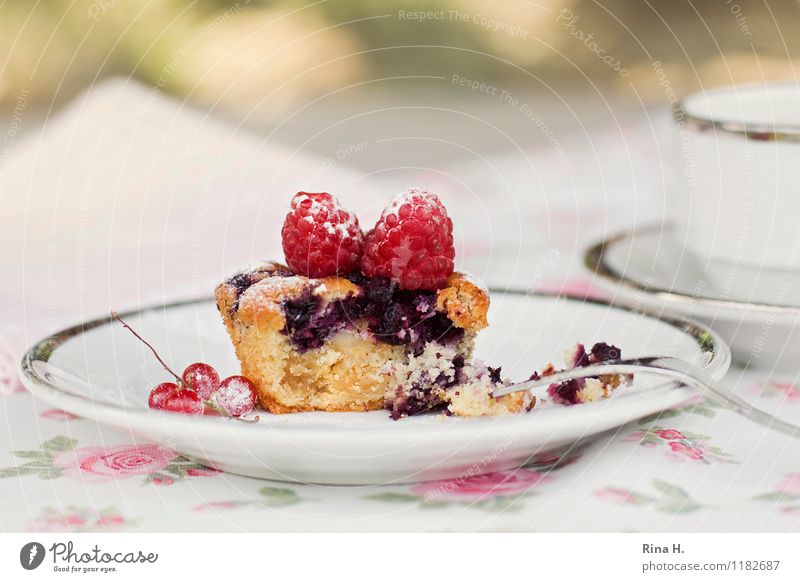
(581, 358)
(415, 400)
(305, 324)
(569, 392)
(391, 315)
(242, 281)
(602, 352)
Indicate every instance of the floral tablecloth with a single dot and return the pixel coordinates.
(127, 198)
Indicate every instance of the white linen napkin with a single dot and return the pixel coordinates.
(128, 197)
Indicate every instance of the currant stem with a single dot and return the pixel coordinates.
(115, 315)
(224, 414)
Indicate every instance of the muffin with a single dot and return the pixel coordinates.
(350, 343)
(357, 322)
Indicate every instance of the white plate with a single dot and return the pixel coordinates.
(755, 310)
(113, 374)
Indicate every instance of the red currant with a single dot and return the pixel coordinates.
(185, 401)
(236, 396)
(202, 378)
(159, 394)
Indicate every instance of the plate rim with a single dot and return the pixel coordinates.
(595, 259)
(706, 339)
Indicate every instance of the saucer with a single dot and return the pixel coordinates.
(96, 370)
(755, 309)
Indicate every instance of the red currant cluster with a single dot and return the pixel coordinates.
(199, 391)
(200, 388)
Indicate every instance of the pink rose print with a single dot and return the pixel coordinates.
(616, 495)
(100, 465)
(482, 486)
(65, 523)
(111, 520)
(670, 434)
(669, 497)
(790, 390)
(786, 493)
(680, 445)
(9, 382)
(580, 288)
(691, 452)
(786, 390)
(638, 436)
(268, 497)
(204, 472)
(77, 519)
(58, 457)
(790, 484)
(56, 414)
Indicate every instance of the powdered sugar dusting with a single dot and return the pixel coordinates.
(268, 293)
(236, 396)
(346, 229)
(422, 196)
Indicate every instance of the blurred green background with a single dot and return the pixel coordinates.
(261, 56)
(316, 75)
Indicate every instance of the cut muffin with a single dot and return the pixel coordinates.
(441, 377)
(592, 388)
(362, 321)
(340, 343)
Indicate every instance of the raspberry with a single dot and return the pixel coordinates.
(412, 243)
(320, 237)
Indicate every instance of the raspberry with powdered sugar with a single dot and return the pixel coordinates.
(320, 237)
(412, 243)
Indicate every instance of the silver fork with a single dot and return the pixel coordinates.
(673, 368)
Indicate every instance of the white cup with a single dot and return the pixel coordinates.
(740, 201)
